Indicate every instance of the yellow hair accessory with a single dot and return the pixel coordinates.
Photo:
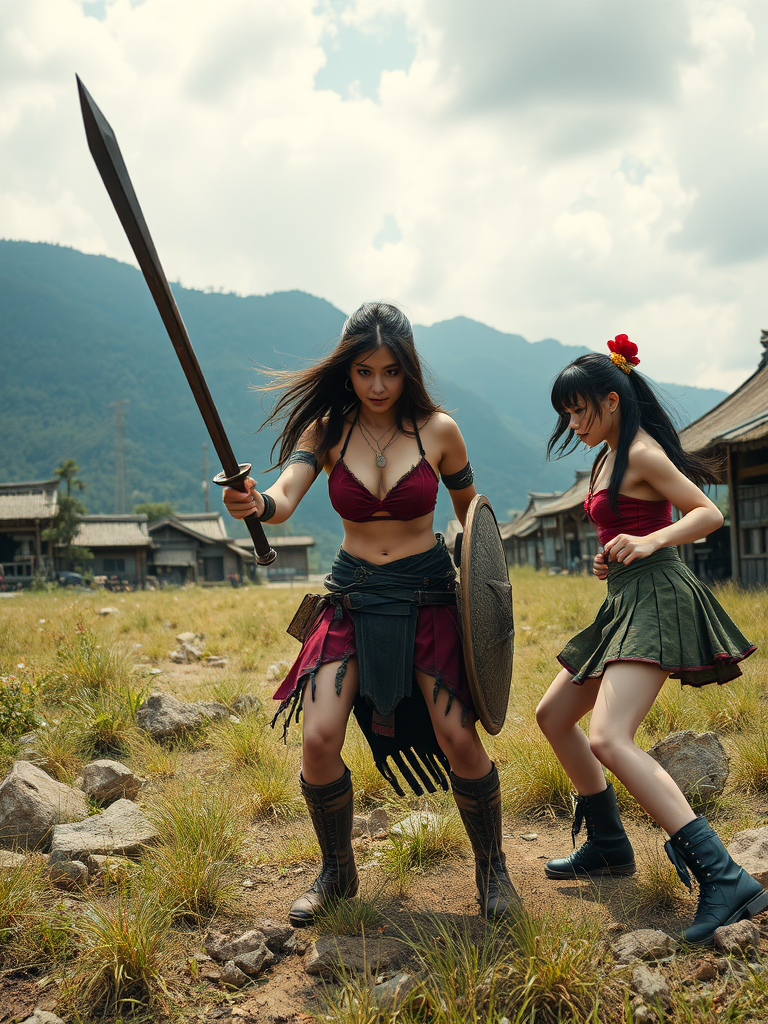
(619, 360)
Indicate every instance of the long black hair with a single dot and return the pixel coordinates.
(589, 379)
(317, 396)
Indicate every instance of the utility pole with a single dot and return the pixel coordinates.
(205, 476)
(120, 489)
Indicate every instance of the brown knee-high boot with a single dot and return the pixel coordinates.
(479, 804)
(330, 808)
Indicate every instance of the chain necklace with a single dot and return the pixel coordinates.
(380, 457)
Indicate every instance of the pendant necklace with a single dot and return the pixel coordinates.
(380, 457)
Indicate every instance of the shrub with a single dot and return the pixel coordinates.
(18, 706)
(81, 661)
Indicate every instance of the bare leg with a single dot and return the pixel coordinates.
(627, 691)
(460, 743)
(325, 723)
(561, 708)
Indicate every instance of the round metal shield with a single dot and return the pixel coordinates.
(485, 605)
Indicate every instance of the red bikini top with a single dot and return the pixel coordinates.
(636, 516)
(414, 494)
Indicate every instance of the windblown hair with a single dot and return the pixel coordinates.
(317, 397)
(592, 377)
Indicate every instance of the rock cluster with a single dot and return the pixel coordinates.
(247, 955)
(192, 648)
(104, 781)
(120, 829)
(164, 716)
(32, 804)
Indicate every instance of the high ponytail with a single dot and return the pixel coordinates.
(592, 377)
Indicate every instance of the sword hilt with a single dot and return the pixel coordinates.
(265, 555)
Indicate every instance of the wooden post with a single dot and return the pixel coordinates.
(733, 515)
(37, 547)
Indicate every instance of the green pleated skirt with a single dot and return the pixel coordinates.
(656, 611)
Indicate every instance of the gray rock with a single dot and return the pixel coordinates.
(750, 849)
(68, 874)
(190, 638)
(335, 954)
(43, 1017)
(276, 934)
(378, 821)
(213, 662)
(255, 960)
(224, 947)
(397, 993)
(10, 860)
(650, 985)
(277, 671)
(246, 704)
(413, 823)
(105, 780)
(109, 611)
(164, 716)
(359, 826)
(232, 975)
(738, 937)
(644, 944)
(696, 761)
(121, 829)
(32, 803)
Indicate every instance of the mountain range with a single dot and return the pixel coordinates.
(79, 333)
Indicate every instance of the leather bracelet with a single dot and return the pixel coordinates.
(269, 507)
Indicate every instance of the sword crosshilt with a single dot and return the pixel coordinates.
(111, 166)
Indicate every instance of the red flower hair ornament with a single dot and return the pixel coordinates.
(623, 353)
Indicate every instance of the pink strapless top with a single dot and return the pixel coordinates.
(414, 494)
(636, 516)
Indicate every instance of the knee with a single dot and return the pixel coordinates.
(459, 745)
(319, 745)
(546, 718)
(605, 748)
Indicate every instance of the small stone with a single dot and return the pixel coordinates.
(378, 822)
(9, 860)
(650, 985)
(750, 849)
(644, 944)
(412, 825)
(164, 716)
(232, 975)
(643, 1014)
(190, 638)
(68, 874)
(397, 993)
(109, 611)
(245, 703)
(530, 837)
(213, 662)
(706, 972)
(121, 829)
(106, 780)
(277, 671)
(43, 1017)
(276, 934)
(737, 937)
(224, 947)
(253, 962)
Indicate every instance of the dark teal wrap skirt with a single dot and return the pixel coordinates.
(657, 611)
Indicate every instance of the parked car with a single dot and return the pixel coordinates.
(71, 579)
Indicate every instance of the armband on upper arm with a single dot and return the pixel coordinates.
(305, 457)
(458, 481)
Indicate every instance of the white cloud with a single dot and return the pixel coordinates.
(554, 169)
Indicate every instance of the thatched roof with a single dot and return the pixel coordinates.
(740, 419)
(37, 499)
(113, 531)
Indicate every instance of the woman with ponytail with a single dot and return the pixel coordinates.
(657, 621)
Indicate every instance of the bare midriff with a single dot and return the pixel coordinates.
(386, 540)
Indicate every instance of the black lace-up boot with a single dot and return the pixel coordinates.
(479, 804)
(607, 850)
(330, 808)
(726, 892)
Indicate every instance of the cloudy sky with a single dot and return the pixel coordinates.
(565, 168)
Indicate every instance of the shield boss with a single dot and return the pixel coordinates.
(487, 619)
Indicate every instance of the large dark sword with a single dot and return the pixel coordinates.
(109, 160)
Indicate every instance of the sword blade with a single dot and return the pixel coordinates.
(111, 166)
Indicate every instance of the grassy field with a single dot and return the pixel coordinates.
(236, 843)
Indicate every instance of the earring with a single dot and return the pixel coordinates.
(348, 384)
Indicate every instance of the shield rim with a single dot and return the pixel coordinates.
(492, 727)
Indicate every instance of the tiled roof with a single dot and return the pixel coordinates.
(113, 532)
(37, 499)
(740, 418)
(210, 524)
(528, 521)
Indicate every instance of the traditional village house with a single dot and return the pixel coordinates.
(119, 544)
(292, 562)
(26, 510)
(738, 429)
(195, 548)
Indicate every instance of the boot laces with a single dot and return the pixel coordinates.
(679, 864)
(579, 818)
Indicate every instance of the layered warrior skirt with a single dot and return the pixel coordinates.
(656, 611)
(393, 618)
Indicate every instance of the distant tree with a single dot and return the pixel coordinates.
(64, 527)
(155, 510)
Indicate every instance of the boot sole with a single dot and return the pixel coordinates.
(752, 909)
(617, 871)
